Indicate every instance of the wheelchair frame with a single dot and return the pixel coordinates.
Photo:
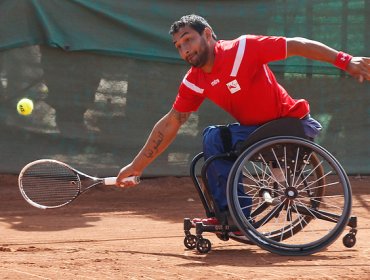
(300, 202)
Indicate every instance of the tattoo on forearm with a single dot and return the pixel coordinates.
(148, 154)
(151, 152)
(158, 141)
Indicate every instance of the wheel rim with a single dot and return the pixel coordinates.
(203, 245)
(190, 241)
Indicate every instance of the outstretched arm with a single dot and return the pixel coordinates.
(358, 67)
(162, 135)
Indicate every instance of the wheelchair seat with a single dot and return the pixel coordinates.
(279, 127)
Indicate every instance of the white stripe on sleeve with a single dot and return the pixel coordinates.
(192, 86)
(239, 55)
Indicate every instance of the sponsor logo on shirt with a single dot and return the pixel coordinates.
(233, 86)
(215, 82)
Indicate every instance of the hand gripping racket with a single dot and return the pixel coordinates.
(50, 183)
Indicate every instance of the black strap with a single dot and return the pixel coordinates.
(226, 138)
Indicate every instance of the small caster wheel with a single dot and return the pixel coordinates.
(203, 246)
(190, 241)
(349, 240)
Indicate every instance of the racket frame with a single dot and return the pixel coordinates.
(80, 175)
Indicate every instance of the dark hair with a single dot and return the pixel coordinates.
(194, 21)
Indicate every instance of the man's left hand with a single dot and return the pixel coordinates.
(359, 68)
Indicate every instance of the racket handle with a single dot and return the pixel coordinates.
(112, 180)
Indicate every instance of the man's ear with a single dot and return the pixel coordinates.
(208, 33)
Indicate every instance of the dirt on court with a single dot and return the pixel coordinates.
(112, 233)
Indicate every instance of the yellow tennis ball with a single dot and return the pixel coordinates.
(25, 106)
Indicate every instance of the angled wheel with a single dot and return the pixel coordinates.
(190, 241)
(203, 245)
(289, 195)
(349, 240)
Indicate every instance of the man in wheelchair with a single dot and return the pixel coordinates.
(234, 74)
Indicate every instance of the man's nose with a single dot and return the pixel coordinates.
(186, 49)
(185, 52)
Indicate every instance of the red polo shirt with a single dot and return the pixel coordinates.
(241, 82)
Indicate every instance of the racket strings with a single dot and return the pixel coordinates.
(50, 184)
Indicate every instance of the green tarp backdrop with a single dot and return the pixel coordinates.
(102, 72)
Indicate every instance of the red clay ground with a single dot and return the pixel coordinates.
(111, 233)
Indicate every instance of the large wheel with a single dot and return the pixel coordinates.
(289, 196)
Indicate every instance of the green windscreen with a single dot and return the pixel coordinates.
(101, 73)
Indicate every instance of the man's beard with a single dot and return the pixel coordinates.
(202, 56)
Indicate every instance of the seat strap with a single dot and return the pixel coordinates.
(226, 138)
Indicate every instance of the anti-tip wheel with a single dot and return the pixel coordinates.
(349, 240)
(190, 241)
(203, 246)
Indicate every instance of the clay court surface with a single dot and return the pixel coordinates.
(111, 233)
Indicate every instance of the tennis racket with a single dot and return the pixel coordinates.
(50, 183)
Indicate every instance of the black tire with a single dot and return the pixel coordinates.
(203, 245)
(311, 199)
(190, 241)
(349, 240)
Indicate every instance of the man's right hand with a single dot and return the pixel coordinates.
(125, 172)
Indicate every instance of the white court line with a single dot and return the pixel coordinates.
(26, 273)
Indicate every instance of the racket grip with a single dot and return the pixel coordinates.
(112, 180)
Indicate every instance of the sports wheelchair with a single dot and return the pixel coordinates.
(301, 196)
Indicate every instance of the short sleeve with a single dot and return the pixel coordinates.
(189, 96)
(186, 101)
(267, 48)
